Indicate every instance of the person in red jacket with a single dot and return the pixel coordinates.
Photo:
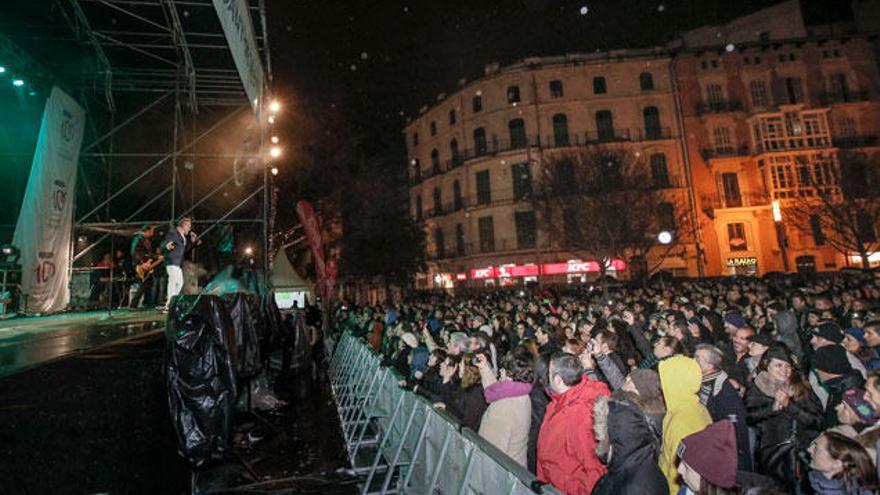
(566, 443)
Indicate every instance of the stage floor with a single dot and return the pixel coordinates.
(31, 341)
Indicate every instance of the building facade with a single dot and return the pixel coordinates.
(723, 130)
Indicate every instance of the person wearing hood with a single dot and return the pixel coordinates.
(786, 414)
(708, 461)
(506, 421)
(723, 402)
(629, 445)
(680, 379)
(836, 376)
(566, 443)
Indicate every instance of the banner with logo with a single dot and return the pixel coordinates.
(43, 231)
(313, 235)
(239, 29)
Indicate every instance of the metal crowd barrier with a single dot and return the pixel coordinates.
(403, 445)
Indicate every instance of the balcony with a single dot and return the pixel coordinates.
(712, 202)
(855, 141)
(724, 152)
(793, 143)
(652, 134)
(720, 106)
(837, 97)
(667, 182)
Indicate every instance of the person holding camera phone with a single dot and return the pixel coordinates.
(506, 421)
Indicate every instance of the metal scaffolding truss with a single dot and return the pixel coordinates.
(163, 69)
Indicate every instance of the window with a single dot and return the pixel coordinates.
(487, 234)
(477, 104)
(646, 81)
(440, 243)
(417, 170)
(459, 239)
(456, 195)
(435, 161)
(415, 139)
(438, 202)
(513, 94)
(565, 183)
(480, 141)
(730, 190)
(560, 130)
(758, 91)
(714, 96)
(522, 180)
(452, 117)
(704, 65)
(721, 139)
(418, 207)
(556, 89)
(846, 127)
(433, 128)
(839, 88)
(525, 229)
(611, 176)
(517, 129)
(571, 227)
(454, 152)
(666, 216)
(794, 91)
(816, 229)
(484, 191)
(605, 125)
(599, 87)
(866, 228)
(736, 237)
(659, 170)
(652, 123)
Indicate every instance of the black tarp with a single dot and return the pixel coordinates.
(200, 357)
(244, 311)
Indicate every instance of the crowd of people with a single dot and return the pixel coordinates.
(718, 386)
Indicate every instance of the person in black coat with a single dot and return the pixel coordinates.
(722, 400)
(833, 369)
(539, 398)
(632, 449)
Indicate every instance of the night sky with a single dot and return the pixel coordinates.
(373, 63)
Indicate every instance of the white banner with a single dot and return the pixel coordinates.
(237, 25)
(43, 231)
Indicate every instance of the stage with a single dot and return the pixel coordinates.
(31, 341)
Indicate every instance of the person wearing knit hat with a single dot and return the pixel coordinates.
(833, 370)
(708, 459)
(826, 331)
(734, 321)
(855, 342)
(854, 413)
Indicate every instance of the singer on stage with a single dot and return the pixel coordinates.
(177, 242)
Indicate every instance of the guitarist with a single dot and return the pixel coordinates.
(141, 252)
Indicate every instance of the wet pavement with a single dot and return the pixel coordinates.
(97, 422)
(31, 341)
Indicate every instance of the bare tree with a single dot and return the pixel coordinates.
(603, 203)
(838, 206)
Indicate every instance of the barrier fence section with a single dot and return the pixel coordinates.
(404, 445)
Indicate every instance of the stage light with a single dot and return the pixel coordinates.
(274, 170)
(18, 83)
(274, 106)
(664, 237)
(2, 69)
(249, 251)
(275, 152)
(271, 119)
(9, 254)
(274, 139)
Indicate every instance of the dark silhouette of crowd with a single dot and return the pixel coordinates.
(718, 386)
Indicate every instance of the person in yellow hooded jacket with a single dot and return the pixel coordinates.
(680, 379)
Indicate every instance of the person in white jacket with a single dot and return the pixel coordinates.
(506, 422)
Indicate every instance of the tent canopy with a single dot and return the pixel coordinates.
(284, 276)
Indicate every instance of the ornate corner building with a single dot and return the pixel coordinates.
(726, 121)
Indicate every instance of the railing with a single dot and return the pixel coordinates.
(793, 143)
(720, 106)
(855, 141)
(391, 433)
(724, 152)
(843, 97)
(747, 199)
(652, 134)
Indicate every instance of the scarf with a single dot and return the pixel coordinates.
(707, 386)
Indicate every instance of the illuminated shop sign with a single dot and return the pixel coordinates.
(744, 261)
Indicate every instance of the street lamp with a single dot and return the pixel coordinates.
(780, 233)
(665, 237)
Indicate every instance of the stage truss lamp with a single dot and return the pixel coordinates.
(18, 83)
(274, 170)
(249, 251)
(665, 237)
(274, 139)
(9, 254)
(275, 151)
(271, 119)
(274, 106)
(2, 69)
